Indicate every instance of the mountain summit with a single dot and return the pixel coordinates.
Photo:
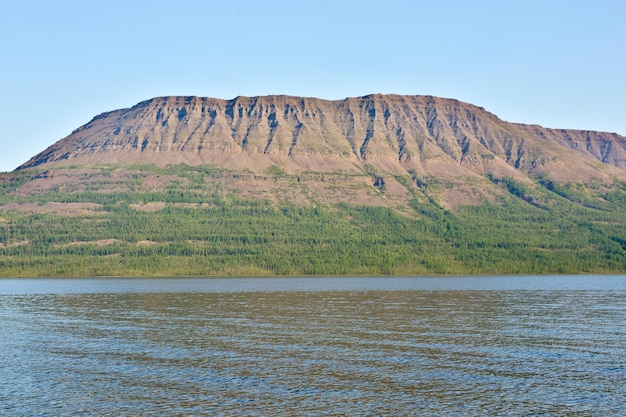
(397, 134)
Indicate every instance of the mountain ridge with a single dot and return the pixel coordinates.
(392, 133)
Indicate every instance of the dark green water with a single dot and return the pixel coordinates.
(288, 347)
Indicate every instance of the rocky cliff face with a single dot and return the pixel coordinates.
(422, 135)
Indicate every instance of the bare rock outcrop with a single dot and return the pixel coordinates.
(390, 133)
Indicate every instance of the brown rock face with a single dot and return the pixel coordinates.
(394, 134)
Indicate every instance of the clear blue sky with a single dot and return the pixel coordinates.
(560, 64)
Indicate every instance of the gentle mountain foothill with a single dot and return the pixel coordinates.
(381, 184)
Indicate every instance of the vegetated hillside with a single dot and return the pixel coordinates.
(287, 185)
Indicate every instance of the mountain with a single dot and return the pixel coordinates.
(396, 134)
(380, 184)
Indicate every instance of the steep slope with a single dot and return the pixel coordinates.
(422, 135)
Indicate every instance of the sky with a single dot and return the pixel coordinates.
(559, 64)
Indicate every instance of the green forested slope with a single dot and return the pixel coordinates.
(537, 228)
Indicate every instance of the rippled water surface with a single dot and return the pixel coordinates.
(287, 347)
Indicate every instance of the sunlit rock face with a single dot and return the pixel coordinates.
(420, 135)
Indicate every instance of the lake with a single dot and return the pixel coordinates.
(377, 346)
